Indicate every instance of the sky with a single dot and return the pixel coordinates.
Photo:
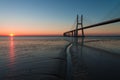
(54, 17)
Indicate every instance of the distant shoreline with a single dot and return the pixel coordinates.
(32, 36)
(57, 36)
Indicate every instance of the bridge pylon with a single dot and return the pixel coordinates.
(77, 25)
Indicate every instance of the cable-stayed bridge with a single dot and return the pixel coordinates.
(74, 32)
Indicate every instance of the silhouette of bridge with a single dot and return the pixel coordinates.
(74, 32)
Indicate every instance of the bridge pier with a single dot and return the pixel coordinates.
(72, 34)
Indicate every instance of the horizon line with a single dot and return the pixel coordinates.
(59, 36)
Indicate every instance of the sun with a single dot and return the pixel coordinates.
(11, 34)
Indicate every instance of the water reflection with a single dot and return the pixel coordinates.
(100, 64)
(12, 53)
(79, 69)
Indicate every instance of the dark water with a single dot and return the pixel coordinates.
(103, 59)
(32, 58)
(96, 58)
(44, 58)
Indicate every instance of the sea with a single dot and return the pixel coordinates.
(45, 58)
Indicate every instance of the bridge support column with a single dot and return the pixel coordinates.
(82, 26)
(72, 33)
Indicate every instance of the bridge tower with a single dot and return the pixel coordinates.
(77, 25)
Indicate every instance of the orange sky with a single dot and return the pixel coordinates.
(103, 30)
(46, 17)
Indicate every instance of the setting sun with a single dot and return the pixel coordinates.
(11, 34)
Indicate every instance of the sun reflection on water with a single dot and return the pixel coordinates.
(12, 53)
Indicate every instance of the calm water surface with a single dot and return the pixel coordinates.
(32, 58)
(96, 58)
(44, 58)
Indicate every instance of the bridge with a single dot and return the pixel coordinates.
(74, 32)
(75, 61)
